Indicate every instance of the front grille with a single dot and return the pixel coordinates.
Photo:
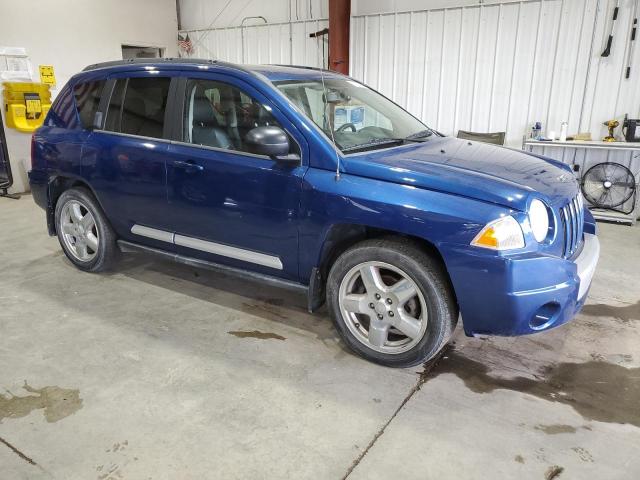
(572, 218)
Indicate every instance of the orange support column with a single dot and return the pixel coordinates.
(339, 17)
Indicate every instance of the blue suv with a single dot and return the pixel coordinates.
(314, 181)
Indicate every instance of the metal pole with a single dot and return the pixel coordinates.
(632, 39)
(339, 24)
(5, 164)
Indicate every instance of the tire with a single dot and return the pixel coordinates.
(430, 315)
(81, 222)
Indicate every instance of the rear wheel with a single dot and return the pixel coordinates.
(84, 232)
(391, 302)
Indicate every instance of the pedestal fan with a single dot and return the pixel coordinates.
(610, 186)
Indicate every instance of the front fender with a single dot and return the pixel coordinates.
(434, 216)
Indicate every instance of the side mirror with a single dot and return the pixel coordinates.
(270, 141)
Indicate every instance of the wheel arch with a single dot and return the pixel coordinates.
(342, 236)
(57, 186)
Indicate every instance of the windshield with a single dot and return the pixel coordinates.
(360, 118)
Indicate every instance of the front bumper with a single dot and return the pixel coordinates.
(523, 294)
(586, 263)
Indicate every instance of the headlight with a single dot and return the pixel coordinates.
(539, 220)
(502, 234)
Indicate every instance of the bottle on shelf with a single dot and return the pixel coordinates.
(563, 131)
(536, 131)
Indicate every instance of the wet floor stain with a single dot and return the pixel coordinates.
(598, 391)
(556, 429)
(260, 309)
(584, 454)
(612, 358)
(519, 458)
(625, 313)
(278, 302)
(56, 403)
(257, 334)
(553, 472)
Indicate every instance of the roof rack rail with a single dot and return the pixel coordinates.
(306, 67)
(143, 61)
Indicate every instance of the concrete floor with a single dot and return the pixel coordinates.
(135, 375)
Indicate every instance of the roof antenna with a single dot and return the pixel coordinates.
(326, 104)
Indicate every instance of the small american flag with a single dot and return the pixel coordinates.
(185, 44)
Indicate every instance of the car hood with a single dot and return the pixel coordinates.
(472, 169)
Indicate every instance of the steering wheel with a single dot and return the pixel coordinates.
(343, 127)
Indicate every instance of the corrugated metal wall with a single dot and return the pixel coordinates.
(269, 43)
(501, 67)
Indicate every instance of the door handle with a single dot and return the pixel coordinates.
(188, 166)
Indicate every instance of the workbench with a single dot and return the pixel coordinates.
(589, 144)
(598, 145)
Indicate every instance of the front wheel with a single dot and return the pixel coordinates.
(391, 302)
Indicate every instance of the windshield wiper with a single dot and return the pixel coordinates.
(419, 135)
(376, 142)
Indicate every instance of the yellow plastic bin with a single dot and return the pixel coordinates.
(26, 104)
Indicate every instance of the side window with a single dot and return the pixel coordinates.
(137, 106)
(315, 104)
(114, 112)
(63, 113)
(87, 96)
(220, 115)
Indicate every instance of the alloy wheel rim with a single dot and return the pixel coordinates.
(383, 307)
(79, 231)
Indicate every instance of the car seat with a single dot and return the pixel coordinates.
(204, 125)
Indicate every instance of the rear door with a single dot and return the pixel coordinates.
(124, 157)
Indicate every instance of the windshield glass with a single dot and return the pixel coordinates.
(360, 118)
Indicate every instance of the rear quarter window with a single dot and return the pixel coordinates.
(63, 113)
(137, 106)
(87, 96)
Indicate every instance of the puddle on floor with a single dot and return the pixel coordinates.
(257, 334)
(598, 391)
(556, 429)
(626, 313)
(57, 403)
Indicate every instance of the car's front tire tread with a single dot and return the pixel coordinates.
(431, 277)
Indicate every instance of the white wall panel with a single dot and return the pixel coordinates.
(467, 67)
(202, 14)
(501, 66)
(263, 43)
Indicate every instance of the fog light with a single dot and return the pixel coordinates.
(545, 316)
